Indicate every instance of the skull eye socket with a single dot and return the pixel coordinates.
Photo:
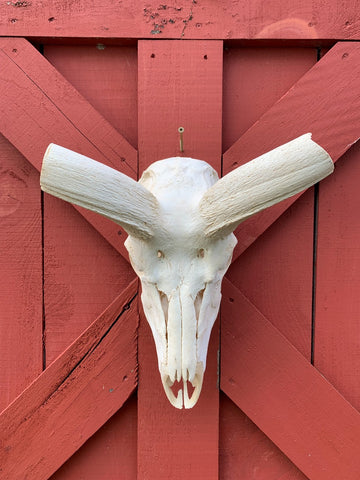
(201, 253)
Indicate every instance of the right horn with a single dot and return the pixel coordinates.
(97, 187)
(261, 183)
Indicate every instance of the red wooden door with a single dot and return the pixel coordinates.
(288, 398)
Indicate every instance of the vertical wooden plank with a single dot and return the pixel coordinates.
(180, 84)
(337, 320)
(275, 273)
(246, 453)
(256, 78)
(21, 273)
(83, 273)
(94, 71)
(114, 445)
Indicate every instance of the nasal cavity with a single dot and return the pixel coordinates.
(164, 305)
(198, 302)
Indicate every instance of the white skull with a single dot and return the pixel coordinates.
(180, 220)
(181, 271)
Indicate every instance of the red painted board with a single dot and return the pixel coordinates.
(337, 315)
(82, 272)
(284, 395)
(38, 106)
(335, 124)
(74, 396)
(110, 453)
(178, 86)
(229, 19)
(275, 272)
(254, 79)
(106, 76)
(21, 319)
(82, 275)
(246, 453)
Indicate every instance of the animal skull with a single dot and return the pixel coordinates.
(180, 218)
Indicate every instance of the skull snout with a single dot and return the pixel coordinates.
(182, 365)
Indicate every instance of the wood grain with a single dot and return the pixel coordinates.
(334, 124)
(338, 277)
(106, 76)
(178, 86)
(287, 398)
(256, 78)
(83, 273)
(275, 272)
(21, 318)
(39, 107)
(240, 19)
(110, 452)
(246, 453)
(60, 410)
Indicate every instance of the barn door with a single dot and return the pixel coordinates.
(286, 350)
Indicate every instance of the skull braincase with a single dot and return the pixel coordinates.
(181, 271)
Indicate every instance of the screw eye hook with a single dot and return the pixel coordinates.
(181, 133)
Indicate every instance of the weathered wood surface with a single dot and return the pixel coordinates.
(110, 453)
(287, 398)
(335, 124)
(83, 273)
(193, 19)
(178, 71)
(254, 79)
(336, 350)
(21, 319)
(38, 106)
(246, 453)
(106, 77)
(59, 411)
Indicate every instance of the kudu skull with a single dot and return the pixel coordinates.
(180, 218)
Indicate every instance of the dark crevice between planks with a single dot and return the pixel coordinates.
(315, 242)
(126, 307)
(43, 283)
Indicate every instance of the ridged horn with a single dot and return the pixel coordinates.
(262, 182)
(95, 186)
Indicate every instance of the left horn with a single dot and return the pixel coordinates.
(261, 183)
(95, 186)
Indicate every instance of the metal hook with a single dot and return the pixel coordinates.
(181, 131)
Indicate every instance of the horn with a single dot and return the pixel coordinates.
(95, 186)
(262, 182)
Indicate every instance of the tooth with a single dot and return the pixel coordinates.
(190, 402)
(177, 402)
(197, 384)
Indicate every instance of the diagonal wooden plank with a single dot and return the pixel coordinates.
(180, 83)
(74, 396)
(277, 388)
(21, 293)
(326, 102)
(337, 306)
(38, 106)
(230, 19)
